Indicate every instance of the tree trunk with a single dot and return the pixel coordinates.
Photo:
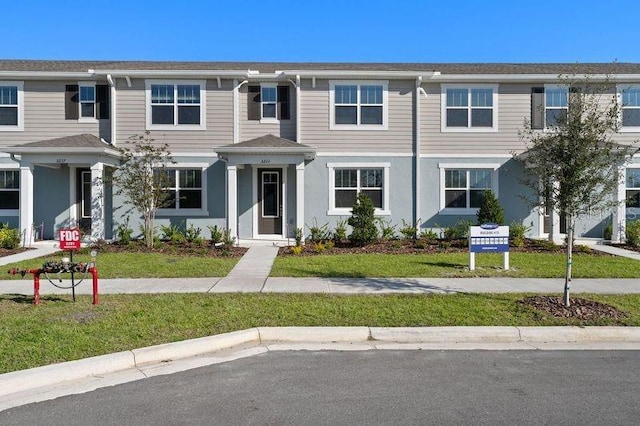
(567, 279)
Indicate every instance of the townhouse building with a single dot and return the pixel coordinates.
(264, 148)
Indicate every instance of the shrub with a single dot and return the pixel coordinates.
(458, 231)
(318, 233)
(408, 230)
(9, 237)
(387, 230)
(318, 247)
(490, 210)
(216, 234)
(632, 233)
(297, 250)
(124, 233)
(329, 245)
(362, 221)
(340, 232)
(192, 235)
(299, 236)
(608, 232)
(517, 233)
(429, 235)
(172, 233)
(228, 240)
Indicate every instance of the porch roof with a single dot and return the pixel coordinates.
(74, 144)
(268, 144)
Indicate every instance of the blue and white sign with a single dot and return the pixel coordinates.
(489, 238)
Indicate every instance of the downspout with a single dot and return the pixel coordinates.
(417, 155)
(296, 84)
(112, 106)
(236, 110)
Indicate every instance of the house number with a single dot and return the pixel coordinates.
(265, 161)
(61, 160)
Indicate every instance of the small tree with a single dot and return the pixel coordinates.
(142, 178)
(362, 221)
(490, 210)
(572, 167)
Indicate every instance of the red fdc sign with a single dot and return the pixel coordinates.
(69, 238)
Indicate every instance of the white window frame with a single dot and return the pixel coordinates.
(20, 126)
(203, 167)
(465, 166)
(11, 212)
(82, 119)
(621, 88)
(264, 119)
(469, 128)
(359, 84)
(386, 187)
(175, 84)
(630, 188)
(548, 87)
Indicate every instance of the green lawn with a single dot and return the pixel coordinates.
(538, 265)
(60, 330)
(143, 265)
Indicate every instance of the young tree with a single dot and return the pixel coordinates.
(572, 165)
(142, 178)
(362, 221)
(490, 210)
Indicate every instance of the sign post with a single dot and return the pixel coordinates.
(69, 240)
(488, 238)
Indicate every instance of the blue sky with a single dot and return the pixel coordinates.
(323, 31)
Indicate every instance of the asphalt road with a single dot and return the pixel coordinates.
(371, 387)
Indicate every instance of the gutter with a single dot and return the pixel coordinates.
(417, 157)
(112, 105)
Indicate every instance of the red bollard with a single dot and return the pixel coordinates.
(36, 288)
(94, 274)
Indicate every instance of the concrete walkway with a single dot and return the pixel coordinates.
(251, 272)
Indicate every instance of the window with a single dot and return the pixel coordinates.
(11, 114)
(184, 188)
(175, 104)
(358, 105)
(463, 186)
(469, 108)
(268, 103)
(556, 105)
(268, 96)
(633, 188)
(9, 189)
(87, 101)
(346, 181)
(630, 98)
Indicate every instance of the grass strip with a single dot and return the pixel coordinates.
(60, 330)
(449, 265)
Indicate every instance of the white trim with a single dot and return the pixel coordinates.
(358, 104)
(452, 156)
(73, 196)
(264, 119)
(11, 212)
(548, 87)
(176, 126)
(468, 211)
(82, 119)
(619, 90)
(254, 208)
(386, 187)
(20, 126)
(469, 129)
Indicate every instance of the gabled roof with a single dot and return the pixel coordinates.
(75, 144)
(268, 144)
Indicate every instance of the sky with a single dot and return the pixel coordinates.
(323, 31)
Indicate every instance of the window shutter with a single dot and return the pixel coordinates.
(102, 101)
(253, 107)
(283, 103)
(537, 107)
(71, 102)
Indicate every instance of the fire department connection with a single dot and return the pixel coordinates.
(69, 241)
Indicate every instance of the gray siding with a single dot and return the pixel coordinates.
(314, 119)
(44, 116)
(250, 129)
(514, 105)
(131, 118)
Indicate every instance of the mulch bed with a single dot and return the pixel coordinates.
(581, 309)
(9, 252)
(168, 247)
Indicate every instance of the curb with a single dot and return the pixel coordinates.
(25, 380)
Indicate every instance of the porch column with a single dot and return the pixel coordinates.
(26, 204)
(300, 196)
(97, 202)
(618, 219)
(232, 200)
